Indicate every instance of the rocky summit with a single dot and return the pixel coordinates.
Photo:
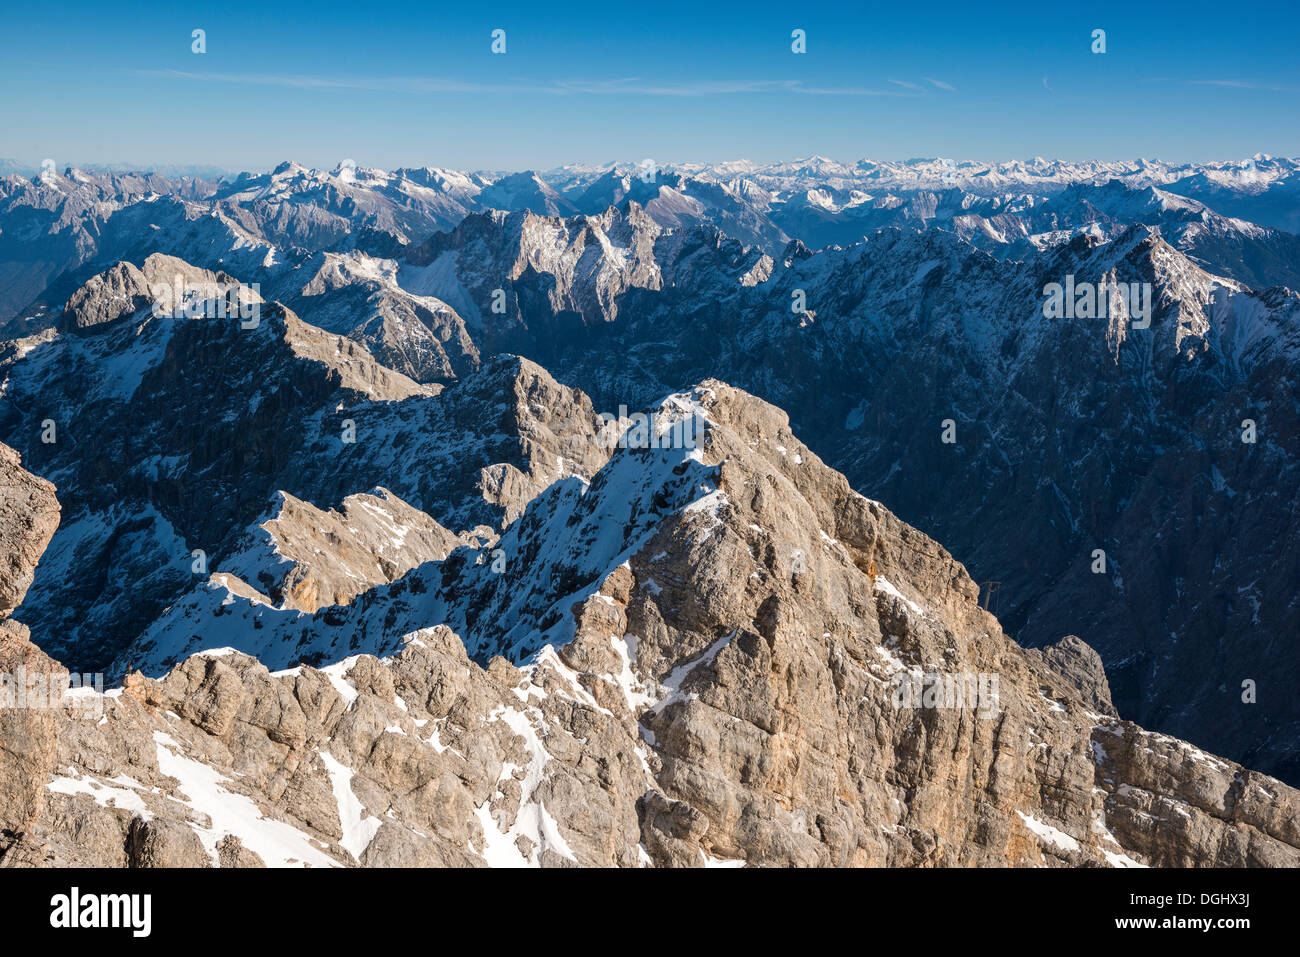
(714, 656)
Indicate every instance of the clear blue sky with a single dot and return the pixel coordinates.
(408, 84)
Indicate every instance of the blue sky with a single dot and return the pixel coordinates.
(410, 84)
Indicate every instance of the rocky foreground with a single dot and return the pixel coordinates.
(705, 657)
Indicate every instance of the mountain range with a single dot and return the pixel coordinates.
(364, 554)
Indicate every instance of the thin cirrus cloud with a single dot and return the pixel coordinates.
(1229, 83)
(909, 85)
(1243, 85)
(631, 86)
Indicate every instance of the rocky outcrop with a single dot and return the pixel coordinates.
(305, 557)
(121, 291)
(29, 514)
(763, 668)
(358, 296)
(162, 283)
(1081, 666)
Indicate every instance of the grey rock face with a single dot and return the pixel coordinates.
(29, 514)
(122, 291)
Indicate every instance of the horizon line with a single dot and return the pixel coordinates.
(21, 167)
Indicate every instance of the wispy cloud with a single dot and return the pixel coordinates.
(1226, 83)
(940, 83)
(905, 83)
(1243, 85)
(628, 86)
